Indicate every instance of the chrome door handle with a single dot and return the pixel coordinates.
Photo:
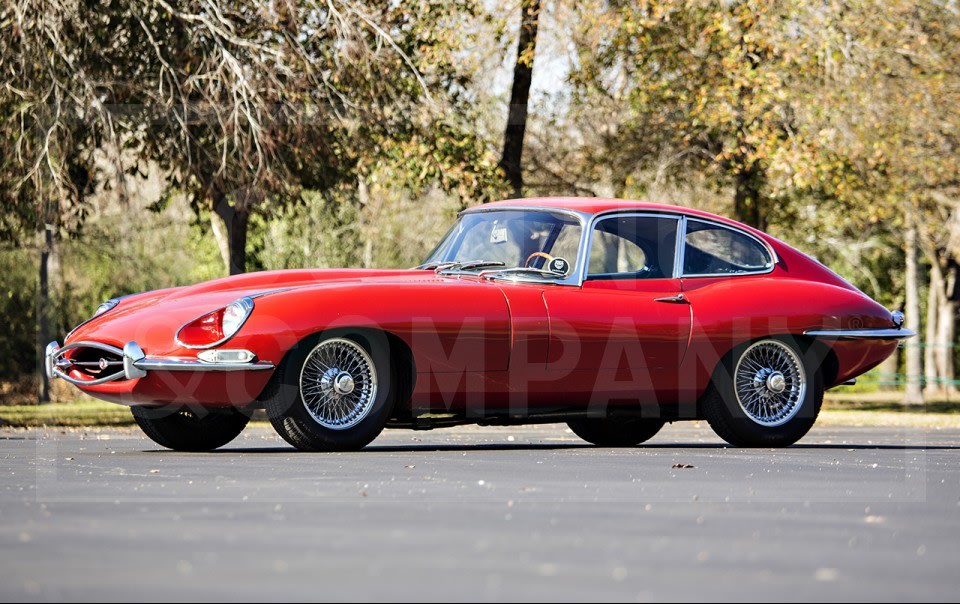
(678, 299)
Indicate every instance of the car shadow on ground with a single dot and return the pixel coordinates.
(516, 447)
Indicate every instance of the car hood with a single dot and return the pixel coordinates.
(149, 315)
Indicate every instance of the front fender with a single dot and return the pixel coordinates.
(450, 326)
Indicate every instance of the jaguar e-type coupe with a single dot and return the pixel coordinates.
(612, 316)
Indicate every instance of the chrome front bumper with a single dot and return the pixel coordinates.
(135, 363)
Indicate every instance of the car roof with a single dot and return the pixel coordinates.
(599, 205)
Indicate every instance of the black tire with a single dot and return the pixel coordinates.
(722, 409)
(615, 432)
(187, 430)
(295, 423)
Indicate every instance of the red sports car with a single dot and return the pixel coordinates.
(613, 316)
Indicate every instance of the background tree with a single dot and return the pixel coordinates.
(249, 105)
(241, 106)
(51, 123)
(710, 88)
(348, 132)
(511, 161)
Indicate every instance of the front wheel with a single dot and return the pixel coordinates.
(765, 393)
(615, 432)
(332, 393)
(184, 429)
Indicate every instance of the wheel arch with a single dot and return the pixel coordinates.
(821, 355)
(400, 354)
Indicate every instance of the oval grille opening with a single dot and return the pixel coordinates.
(92, 363)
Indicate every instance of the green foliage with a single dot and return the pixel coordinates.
(320, 232)
(18, 301)
(394, 229)
(130, 250)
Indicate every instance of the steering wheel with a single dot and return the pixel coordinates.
(545, 255)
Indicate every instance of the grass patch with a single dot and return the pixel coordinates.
(87, 413)
(839, 409)
(888, 401)
(889, 419)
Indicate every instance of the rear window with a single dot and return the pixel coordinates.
(711, 249)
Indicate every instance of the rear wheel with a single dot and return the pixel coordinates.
(332, 393)
(187, 430)
(764, 394)
(615, 432)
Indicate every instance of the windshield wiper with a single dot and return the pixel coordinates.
(519, 271)
(466, 265)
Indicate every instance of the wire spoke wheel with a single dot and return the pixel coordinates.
(770, 383)
(338, 384)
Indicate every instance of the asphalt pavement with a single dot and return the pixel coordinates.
(482, 514)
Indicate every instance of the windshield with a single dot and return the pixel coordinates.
(511, 239)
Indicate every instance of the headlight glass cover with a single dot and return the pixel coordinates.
(215, 327)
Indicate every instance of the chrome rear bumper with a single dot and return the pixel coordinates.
(892, 333)
(135, 364)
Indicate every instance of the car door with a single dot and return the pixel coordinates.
(628, 320)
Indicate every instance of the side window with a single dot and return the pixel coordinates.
(712, 249)
(633, 247)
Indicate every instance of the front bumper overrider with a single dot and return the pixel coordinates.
(130, 363)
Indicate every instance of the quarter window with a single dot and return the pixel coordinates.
(711, 249)
(633, 247)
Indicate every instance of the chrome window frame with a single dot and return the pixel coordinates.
(588, 222)
(774, 259)
(616, 214)
(574, 278)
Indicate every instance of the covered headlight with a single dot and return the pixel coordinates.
(215, 327)
(103, 308)
(108, 305)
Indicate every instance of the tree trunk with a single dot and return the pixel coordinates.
(930, 329)
(238, 241)
(945, 335)
(746, 197)
(913, 394)
(511, 161)
(946, 330)
(236, 219)
(223, 242)
(48, 265)
(367, 233)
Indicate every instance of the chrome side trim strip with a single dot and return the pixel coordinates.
(188, 364)
(891, 333)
